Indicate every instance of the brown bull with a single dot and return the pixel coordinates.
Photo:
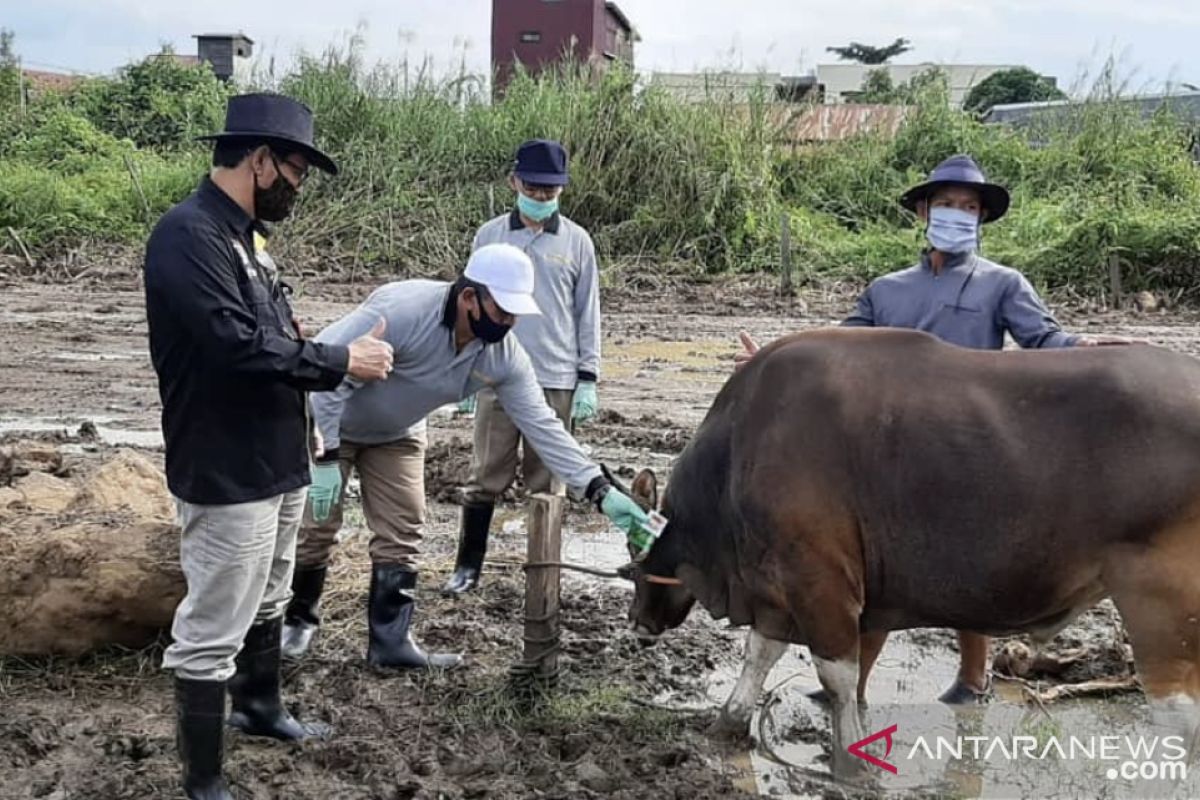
(850, 481)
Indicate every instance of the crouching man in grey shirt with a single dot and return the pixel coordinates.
(449, 341)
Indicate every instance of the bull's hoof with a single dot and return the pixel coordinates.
(821, 698)
(853, 771)
(959, 694)
(729, 729)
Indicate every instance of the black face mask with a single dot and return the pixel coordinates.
(484, 327)
(275, 202)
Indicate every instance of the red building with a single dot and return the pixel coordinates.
(539, 33)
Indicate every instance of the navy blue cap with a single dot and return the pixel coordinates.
(273, 117)
(960, 170)
(541, 161)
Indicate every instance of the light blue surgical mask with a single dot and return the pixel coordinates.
(952, 230)
(536, 210)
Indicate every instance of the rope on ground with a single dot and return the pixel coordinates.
(573, 567)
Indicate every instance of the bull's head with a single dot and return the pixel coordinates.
(660, 600)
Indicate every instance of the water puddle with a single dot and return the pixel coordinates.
(122, 355)
(107, 432)
(793, 739)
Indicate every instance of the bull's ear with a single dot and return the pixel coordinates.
(645, 489)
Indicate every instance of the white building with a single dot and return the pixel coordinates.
(842, 82)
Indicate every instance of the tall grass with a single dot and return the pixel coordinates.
(659, 182)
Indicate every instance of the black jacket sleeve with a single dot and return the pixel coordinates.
(197, 278)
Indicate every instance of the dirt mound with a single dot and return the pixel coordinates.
(42, 493)
(448, 468)
(647, 432)
(128, 482)
(83, 566)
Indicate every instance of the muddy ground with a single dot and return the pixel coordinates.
(626, 721)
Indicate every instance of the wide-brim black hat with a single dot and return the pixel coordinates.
(960, 171)
(273, 118)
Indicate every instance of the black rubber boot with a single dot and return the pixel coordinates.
(200, 736)
(257, 708)
(389, 618)
(301, 620)
(472, 547)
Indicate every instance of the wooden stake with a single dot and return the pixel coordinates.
(542, 586)
(785, 258)
(1114, 278)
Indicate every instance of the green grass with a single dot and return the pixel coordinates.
(658, 182)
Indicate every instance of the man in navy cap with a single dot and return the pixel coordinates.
(965, 299)
(233, 371)
(563, 344)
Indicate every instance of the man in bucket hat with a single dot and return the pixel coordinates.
(563, 343)
(965, 299)
(233, 369)
(450, 341)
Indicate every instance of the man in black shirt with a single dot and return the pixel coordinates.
(233, 370)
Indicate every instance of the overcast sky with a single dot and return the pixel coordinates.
(1155, 41)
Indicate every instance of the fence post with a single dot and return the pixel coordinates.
(539, 666)
(785, 257)
(1114, 279)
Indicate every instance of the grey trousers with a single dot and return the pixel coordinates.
(237, 560)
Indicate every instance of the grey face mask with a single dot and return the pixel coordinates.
(951, 230)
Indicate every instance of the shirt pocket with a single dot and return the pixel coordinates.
(266, 310)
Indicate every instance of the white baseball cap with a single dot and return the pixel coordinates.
(507, 273)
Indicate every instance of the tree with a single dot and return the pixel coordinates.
(877, 87)
(157, 102)
(866, 54)
(10, 76)
(1020, 85)
(8, 55)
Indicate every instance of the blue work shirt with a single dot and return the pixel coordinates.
(971, 303)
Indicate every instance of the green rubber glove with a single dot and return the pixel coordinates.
(466, 406)
(623, 512)
(586, 403)
(326, 489)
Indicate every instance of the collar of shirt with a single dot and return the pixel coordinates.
(515, 223)
(227, 209)
(449, 309)
(951, 261)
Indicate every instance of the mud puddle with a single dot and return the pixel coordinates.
(790, 757)
(101, 429)
(93, 357)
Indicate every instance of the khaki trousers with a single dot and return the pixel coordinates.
(494, 465)
(392, 479)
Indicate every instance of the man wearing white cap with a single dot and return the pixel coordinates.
(449, 341)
